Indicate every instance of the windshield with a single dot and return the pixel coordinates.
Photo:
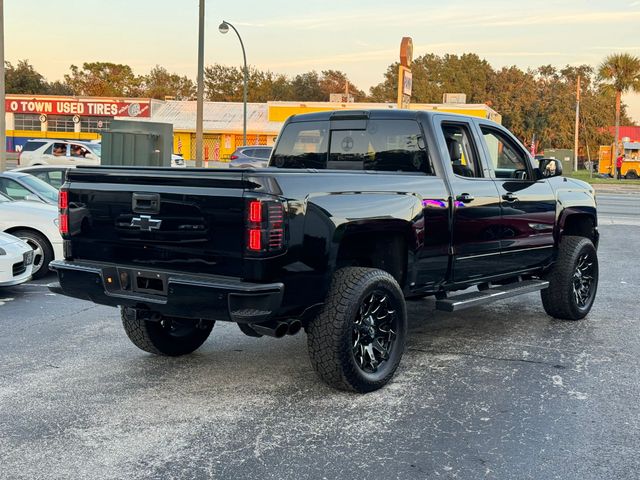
(4, 198)
(96, 148)
(41, 187)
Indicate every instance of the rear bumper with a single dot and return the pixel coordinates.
(191, 296)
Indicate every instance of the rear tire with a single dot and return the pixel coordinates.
(631, 175)
(573, 280)
(42, 250)
(357, 340)
(171, 336)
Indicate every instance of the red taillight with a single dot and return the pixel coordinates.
(63, 207)
(63, 219)
(255, 240)
(63, 199)
(265, 226)
(233, 157)
(255, 212)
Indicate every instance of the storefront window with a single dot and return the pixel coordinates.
(60, 123)
(95, 124)
(26, 121)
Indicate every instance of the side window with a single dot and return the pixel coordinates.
(78, 151)
(462, 153)
(386, 145)
(508, 161)
(57, 149)
(263, 153)
(13, 189)
(55, 178)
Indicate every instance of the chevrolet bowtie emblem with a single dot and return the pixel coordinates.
(146, 223)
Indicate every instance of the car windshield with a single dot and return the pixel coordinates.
(96, 148)
(41, 187)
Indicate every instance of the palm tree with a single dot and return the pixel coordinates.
(622, 72)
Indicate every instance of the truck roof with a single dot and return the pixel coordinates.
(377, 114)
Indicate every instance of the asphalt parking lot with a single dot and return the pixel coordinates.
(500, 391)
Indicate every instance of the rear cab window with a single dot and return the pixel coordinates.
(392, 145)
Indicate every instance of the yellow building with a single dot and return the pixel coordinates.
(43, 116)
(223, 121)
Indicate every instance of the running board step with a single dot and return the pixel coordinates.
(473, 299)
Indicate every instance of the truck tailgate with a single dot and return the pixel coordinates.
(188, 221)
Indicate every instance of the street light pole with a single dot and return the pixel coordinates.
(3, 131)
(224, 28)
(200, 80)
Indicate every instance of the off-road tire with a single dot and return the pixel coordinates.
(158, 338)
(330, 332)
(559, 299)
(43, 252)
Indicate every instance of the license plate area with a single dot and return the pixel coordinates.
(148, 282)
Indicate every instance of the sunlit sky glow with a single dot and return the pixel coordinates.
(360, 38)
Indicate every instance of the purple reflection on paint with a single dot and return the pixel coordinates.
(458, 204)
(433, 203)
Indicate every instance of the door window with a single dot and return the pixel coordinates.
(57, 150)
(507, 159)
(13, 189)
(462, 153)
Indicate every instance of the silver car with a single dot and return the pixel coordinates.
(250, 157)
(48, 151)
(37, 224)
(23, 186)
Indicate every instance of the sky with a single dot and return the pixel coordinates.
(359, 37)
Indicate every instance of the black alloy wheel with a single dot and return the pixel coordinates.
(374, 332)
(357, 339)
(573, 280)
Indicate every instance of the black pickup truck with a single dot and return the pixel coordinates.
(358, 211)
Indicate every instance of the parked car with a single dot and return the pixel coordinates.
(54, 175)
(177, 161)
(37, 224)
(23, 186)
(362, 210)
(16, 260)
(250, 157)
(47, 151)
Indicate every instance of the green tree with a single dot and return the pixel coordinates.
(621, 72)
(223, 83)
(159, 83)
(23, 78)
(104, 79)
(306, 87)
(335, 81)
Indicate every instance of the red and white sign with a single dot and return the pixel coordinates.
(81, 107)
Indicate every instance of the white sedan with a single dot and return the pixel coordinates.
(16, 260)
(36, 224)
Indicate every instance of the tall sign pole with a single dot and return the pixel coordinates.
(200, 99)
(405, 80)
(3, 129)
(575, 139)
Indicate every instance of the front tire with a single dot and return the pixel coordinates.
(573, 280)
(357, 340)
(42, 251)
(170, 336)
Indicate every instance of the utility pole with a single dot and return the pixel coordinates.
(3, 129)
(200, 98)
(575, 140)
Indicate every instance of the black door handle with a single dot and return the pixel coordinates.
(465, 198)
(509, 197)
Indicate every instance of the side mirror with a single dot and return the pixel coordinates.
(550, 167)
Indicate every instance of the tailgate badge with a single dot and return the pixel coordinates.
(146, 223)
